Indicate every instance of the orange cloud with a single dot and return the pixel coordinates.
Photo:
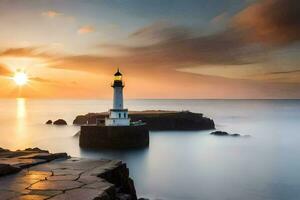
(272, 22)
(4, 71)
(51, 13)
(86, 29)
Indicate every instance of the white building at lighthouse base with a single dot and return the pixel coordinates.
(117, 117)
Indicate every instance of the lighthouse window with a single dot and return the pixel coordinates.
(119, 115)
(124, 115)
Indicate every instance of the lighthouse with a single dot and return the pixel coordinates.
(118, 132)
(118, 116)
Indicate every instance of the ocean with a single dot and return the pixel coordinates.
(181, 165)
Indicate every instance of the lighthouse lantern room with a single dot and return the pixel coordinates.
(118, 116)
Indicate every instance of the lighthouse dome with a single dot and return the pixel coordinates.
(118, 73)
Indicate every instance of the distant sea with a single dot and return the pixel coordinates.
(181, 165)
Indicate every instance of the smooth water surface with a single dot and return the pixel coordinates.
(181, 165)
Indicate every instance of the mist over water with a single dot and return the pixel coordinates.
(181, 165)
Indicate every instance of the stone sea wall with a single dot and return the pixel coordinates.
(116, 137)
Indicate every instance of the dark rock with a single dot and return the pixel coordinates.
(3, 150)
(220, 133)
(143, 199)
(157, 120)
(49, 122)
(119, 176)
(223, 133)
(46, 156)
(6, 169)
(121, 196)
(60, 122)
(36, 149)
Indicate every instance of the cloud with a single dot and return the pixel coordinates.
(19, 52)
(220, 18)
(270, 22)
(42, 80)
(4, 71)
(26, 52)
(177, 46)
(51, 14)
(173, 47)
(86, 29)
(283, 72)
(161, 31)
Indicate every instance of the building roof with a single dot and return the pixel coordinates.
(118, 73)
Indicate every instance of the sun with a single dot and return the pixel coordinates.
(20, 78)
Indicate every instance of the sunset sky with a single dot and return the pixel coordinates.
(165, 48)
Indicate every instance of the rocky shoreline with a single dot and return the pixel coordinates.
(37, 174)
(156, 120)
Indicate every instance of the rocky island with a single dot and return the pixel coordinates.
(156, 120)
(95, 134)
(37, 174)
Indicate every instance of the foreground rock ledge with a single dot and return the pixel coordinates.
(38, 174)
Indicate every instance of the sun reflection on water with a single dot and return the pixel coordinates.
(21, 108)
(21, 113)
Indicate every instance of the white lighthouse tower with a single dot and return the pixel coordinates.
(118, 116)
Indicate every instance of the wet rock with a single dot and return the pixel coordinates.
(48, 193)
(219, 133)
(30, 197)
(49, 122)
(6, 169)
(49, 156)
(73, 178)
(60, 122)
(64, 172)
(22, 163)
(8, 194)
(223, 133)
(63, 177)
(55, 185)
(79, 194)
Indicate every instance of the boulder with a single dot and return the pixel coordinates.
(235, 135)
(49, 122)
(223, 133)
(220, 133)
(60, 122)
